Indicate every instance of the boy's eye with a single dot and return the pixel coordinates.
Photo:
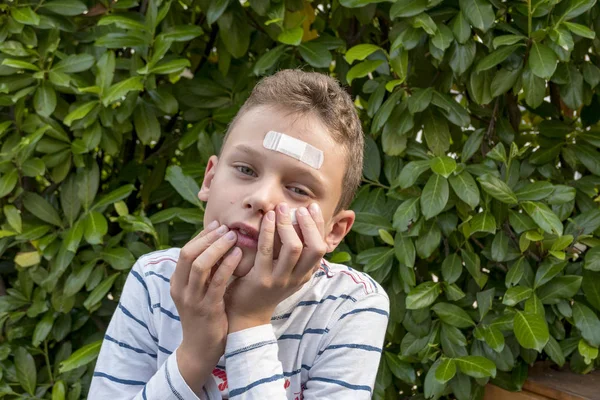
(299, 191)
(245, 170)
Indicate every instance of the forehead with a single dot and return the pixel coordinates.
(252, 127)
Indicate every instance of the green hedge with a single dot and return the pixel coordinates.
(479, 210)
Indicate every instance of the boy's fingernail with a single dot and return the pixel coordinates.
(271, 216)
(283, 208)
(236, 251)
(212, 225)
(314, 207)
(222, 229)
(303, 211)
(230, 236)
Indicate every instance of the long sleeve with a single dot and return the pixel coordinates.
(127, 366)
(345, 367)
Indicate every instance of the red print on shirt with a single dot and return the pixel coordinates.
(221, 375)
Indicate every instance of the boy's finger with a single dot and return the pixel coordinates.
(314, 245)
(190, 252)
(266, 238)
(291, 245)
(207, 259)
(317, 216)
(218, 283)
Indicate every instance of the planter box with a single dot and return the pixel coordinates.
(547, 383)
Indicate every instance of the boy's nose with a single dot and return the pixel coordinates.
(262, 200)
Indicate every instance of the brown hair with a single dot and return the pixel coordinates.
(303, 93)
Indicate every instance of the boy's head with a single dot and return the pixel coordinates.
(247, 180)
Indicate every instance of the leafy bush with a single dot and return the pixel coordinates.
(479, 209)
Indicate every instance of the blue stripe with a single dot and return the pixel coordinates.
(130, 315)
(375, 310)
(342, 383)
(292, 373)
(119, 380)
(126, 346)
(251, 347)
(306, 367)
(351, 346)
(175, 392)
(165, 311)
(313, 302)
(298, 336)
(237, 392)
(164, 350)
(164, 278)
(144, 393)
(139, 278)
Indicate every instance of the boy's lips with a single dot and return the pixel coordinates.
(247, 236)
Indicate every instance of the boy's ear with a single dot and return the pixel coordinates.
(209, 174)
(340, 226)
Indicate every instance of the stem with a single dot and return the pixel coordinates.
(529, 18)
(370, 182)
(48, 362)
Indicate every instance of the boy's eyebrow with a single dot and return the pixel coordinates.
(295, 169)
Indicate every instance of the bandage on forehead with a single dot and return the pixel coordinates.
(293, 147)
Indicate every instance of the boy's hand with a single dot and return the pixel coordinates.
(251, 300)
(199, 301)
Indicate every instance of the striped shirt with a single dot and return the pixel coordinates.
(324, 341)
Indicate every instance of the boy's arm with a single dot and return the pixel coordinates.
(127, 364)
(345, 367)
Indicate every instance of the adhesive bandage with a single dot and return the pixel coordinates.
(293, 147)
(293, 215)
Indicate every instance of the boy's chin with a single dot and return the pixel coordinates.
(245, 264)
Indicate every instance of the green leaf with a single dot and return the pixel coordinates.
(67, 8)
(483, 222)
(452, 268)
(576, 8)
(496, 57)
(80, 112)
(554, 351)
(376, 258)
(43, 328)
(588, 352)
(435, 196)
(543, 217)
(44, 100)
(453, 315)
(362, 69)
(507, 40)
(446, 370)
(535, 191)
(81, 357)
(293, 36)
(75, 63)
(170, 67)
(405, 250)
(95, 227)
(215, 10)
(411, 172)
(8, 181)
(580, 30)
(587, 322)
(185, 185)
(562, 287)
(494, 338)
(146, 124)
(436, 132)
(182, 33)
(268, 60)
(401, 369)
(497, 189)
(531, 330)
(372, 161)
(548, 270)
(117, 40)
(112, 197)
(38, 206)
(100, 291)
(476, 366)
(403, 9)
(18, 64)
(542, 60)
(479, 12)
(465, 188)
(419, 100)
(120, 89)
(592, 259)
(423, 295)
(369, 223)
(443, 165)
(360, 52)
(406, 214)
(516, 294)
(534, 88)
(26, 370)
(316, 54)
(26, 16)
(119, 258)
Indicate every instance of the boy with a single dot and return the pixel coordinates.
(248, 309)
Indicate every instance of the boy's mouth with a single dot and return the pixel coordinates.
(247, 236)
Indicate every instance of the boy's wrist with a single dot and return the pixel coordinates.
(237, 324)
(193, 370)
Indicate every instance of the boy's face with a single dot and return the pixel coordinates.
(248, 180)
